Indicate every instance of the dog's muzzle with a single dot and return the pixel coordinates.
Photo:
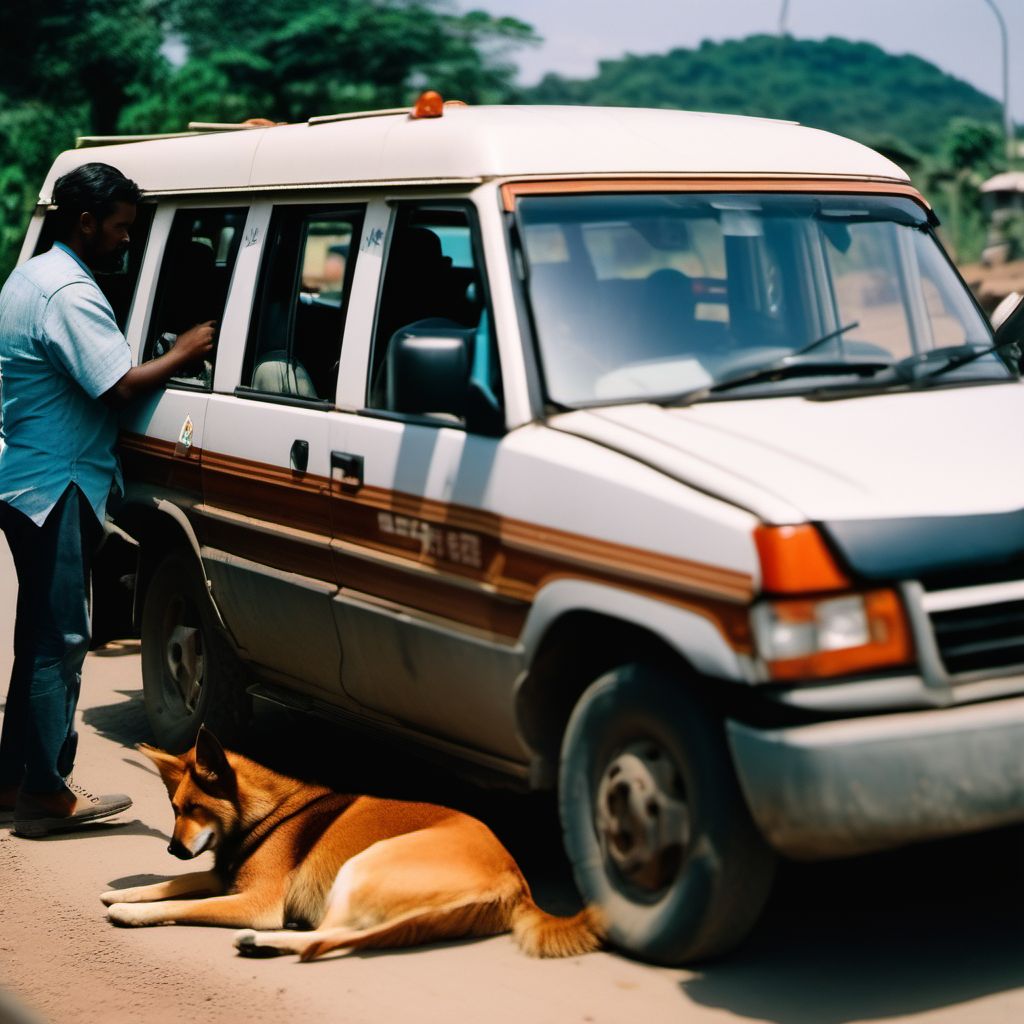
(200, 844)
(179, 850)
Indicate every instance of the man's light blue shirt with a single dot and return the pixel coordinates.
(60, 349)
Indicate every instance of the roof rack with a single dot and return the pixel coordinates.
(85, 141)
(428, 105)
(232, 126)
(194, 128)
(354, 115)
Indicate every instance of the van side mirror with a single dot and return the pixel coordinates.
(429, 365)
(1008, 321)
(1005, 310)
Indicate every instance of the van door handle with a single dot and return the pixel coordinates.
(347, 469)
(299, 457)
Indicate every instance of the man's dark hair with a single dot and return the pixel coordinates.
(92, 188)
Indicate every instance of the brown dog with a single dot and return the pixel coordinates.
(361, 871)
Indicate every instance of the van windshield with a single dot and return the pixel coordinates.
(640, 297)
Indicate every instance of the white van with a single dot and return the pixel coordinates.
(660, 457)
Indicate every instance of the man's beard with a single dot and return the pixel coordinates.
(112, 262)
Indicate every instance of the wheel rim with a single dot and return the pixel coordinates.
(642, 817)
(183, 658)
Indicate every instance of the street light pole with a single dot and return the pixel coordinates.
(1007, 120)
(782, 18)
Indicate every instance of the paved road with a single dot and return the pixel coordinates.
(933, 934)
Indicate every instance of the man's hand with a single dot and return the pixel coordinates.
(197, 342)
(191, 347)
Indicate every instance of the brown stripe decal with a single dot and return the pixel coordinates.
(461, 563)
(297, 500)
(154, 462)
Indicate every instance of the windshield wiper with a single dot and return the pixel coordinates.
(955, 362)
(785, 365)
(789, 365)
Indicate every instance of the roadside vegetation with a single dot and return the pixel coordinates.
(96, 67)
(942, 131)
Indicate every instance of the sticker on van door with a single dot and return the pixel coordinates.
(184, 442)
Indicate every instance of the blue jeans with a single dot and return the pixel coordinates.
(51, 639)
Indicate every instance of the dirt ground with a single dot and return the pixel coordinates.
(934, 934)
(992, 284)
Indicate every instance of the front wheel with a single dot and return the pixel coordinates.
(190, 676)
(655, 825)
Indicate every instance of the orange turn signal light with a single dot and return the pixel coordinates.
(429, 104)
(795, 560)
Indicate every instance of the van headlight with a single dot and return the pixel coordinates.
(836, 634)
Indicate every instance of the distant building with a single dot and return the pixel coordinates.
(1002, 199)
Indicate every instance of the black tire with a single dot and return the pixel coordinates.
(654, 823)
(190, 674)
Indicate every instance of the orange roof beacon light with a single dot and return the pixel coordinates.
(429, 104)
(824, 626)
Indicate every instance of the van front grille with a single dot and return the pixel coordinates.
(982, 637)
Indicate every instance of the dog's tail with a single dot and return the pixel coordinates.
(537, 933)
(541, 934)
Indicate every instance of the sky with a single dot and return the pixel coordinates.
(960, 36)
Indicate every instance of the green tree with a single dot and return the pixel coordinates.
(86, 54)
(971, 145)
(66, 67)
(969, 152)
(289, 60)
(854, 89)
(82, 67)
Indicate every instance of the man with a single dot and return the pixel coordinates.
(65, 368)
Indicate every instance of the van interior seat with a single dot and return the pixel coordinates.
(317, 333)
(667, 324)
(415, 280)
(277, 374)
(198, 289)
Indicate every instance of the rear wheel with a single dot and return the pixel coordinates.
(190, 675)
(655, 826)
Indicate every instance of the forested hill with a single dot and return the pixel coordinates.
(855, 89)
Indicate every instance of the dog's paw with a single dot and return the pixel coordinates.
(127, 915)
(247, 944)
(109, 898)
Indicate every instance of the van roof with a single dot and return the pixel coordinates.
(470, 144)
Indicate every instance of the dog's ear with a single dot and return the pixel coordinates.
(212, 762)
(171, 768)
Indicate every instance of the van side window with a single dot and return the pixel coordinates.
(295, 341)
(119, 287)
(195, 275)
(435, 352)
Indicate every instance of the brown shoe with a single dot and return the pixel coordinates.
(39, 814)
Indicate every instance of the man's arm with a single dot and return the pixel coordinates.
(192, 346)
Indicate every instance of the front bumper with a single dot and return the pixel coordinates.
(834, 789)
